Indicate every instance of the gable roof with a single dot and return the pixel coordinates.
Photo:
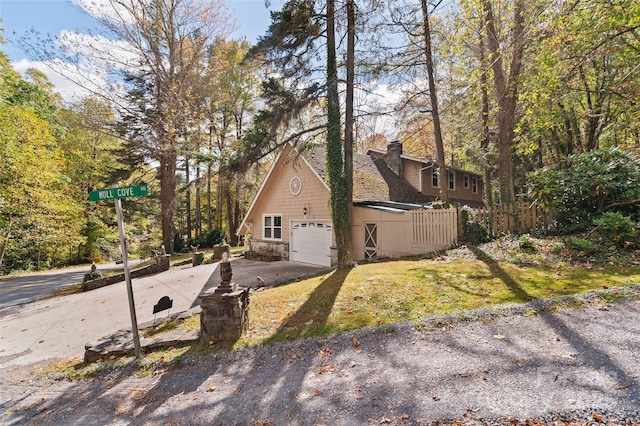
(426, 161)
(372, 179)
(279, 157)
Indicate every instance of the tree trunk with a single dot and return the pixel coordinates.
(347, 252)
(198, 203)
(485, 139)
(506, 92)
(233, 212)
(209, 222)
(188, 198)
(6, 239)
(335, 160)
(444, 178)
(167, 176)
(219, 191)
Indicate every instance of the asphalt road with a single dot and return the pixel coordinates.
(25, 289)
(59, 327)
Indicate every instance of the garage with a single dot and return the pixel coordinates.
(311, 242)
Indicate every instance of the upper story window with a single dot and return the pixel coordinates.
(434, 178)
(465, 181)
(272, 227)
(452, 180)
(474, 185)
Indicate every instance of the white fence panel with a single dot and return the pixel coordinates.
(434, 227)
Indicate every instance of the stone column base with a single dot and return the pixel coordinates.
(224, 316)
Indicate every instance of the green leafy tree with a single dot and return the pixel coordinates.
(34, 189)
(231, 88)
(93, 162)
(582, 88)
(292, 45)
(586, 186)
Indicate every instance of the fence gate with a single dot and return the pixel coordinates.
(370, 241)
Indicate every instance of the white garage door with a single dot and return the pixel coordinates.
(311, 242)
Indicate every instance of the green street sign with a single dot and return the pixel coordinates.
(121, 192)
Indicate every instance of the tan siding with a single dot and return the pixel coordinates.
(466, 193)
(412, 173)
(397, 232)
(277, 199)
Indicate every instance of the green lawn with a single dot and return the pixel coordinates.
(389, 292)
(381, 293)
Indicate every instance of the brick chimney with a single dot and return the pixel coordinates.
(394, 159)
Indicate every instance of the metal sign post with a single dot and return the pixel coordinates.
(116, 194)
(127, 277)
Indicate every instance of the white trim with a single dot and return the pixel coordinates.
(451, 173)
(264, 183)
(296, 188)
(325, 223)
(255, 199)
(436, 170)
(316, 174)
(273, 227)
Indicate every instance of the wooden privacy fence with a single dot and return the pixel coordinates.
(515, 219)
(434, 227)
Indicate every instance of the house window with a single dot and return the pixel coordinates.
(474, 185)
(452, 181)
(434, 178)
(465, 181)
(272, 229)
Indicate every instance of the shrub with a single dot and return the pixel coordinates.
(616, 229)
(195, 242)
(586, 185)
(214, 237)
(582, 246)
(474, 231)
(526, 244)
(179, 245)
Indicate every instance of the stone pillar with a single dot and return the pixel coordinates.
(163, 262)
(225, 310)
(224, 317)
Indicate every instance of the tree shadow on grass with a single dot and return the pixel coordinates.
(498, 272)
(312, 316)
(592, 356)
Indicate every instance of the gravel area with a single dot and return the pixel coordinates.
(524, 364)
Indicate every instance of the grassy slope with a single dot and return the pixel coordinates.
(391, 292)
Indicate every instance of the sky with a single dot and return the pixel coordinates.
(52, 16)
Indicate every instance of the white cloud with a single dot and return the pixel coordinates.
(69, 90)
(376, 104)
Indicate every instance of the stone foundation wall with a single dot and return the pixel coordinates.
(162, 264)
(271, 248)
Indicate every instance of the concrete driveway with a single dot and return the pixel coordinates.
(60, 327)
